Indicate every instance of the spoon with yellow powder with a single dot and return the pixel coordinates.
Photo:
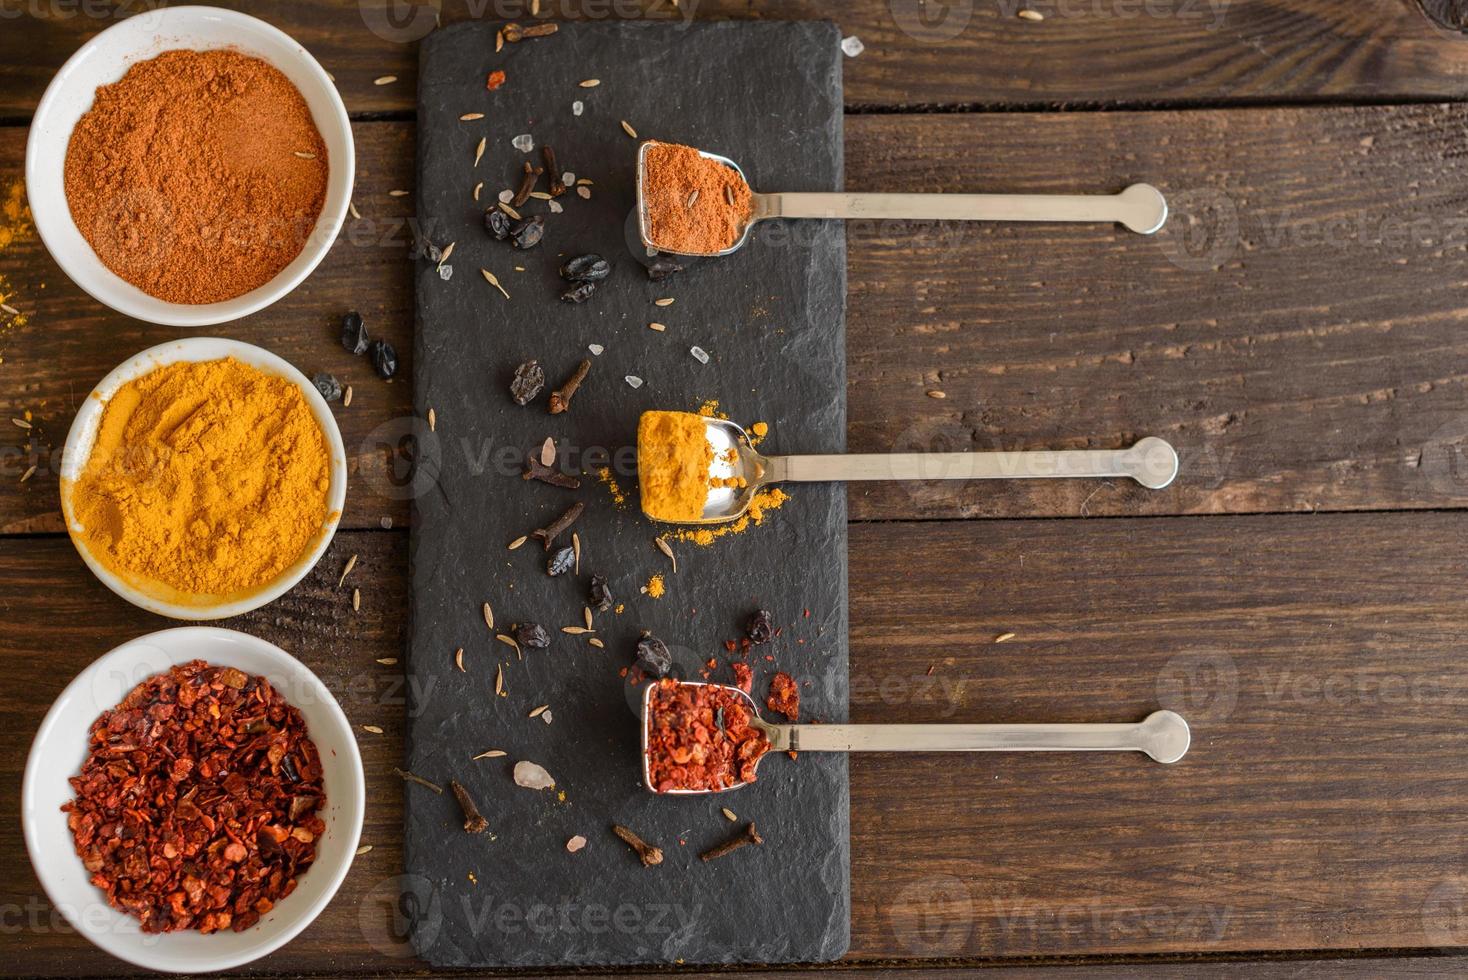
(698, 470)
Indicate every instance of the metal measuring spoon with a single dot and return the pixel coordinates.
(1152, 462)
(1163, 736)
(1140, 207)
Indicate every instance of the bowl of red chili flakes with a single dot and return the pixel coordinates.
(193, 800)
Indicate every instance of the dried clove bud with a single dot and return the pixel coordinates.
(649, 854)
(548, 534)
(749, 836)
(474, 822)
(560, 399)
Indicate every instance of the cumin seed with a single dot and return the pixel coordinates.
(627, 128)
(351, 564)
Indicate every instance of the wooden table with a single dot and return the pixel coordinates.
(1298, 593)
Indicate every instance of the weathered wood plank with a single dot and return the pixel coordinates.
(1321, 365)
(1321, 807)
(960, 53)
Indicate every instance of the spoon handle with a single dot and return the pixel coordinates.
(1162, 735)
(1140, 207)
(1152, 462)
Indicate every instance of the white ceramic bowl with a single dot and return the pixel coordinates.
(60, 747)
(105, 59)
(83, 435)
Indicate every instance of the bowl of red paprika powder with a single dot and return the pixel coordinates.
(159, 777)
(190, 165)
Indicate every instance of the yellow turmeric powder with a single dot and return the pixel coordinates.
(759, 506)
(206, 480)
(673, 461)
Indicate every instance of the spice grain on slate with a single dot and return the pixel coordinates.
(198, 176)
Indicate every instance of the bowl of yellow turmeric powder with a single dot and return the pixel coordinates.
(203, 478)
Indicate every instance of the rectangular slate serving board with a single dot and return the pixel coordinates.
(772, 319)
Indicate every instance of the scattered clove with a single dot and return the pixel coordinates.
(527, 184)
(536, 470)
(415, 778)
(647, 853)
(749, 836)
(474, 822)
(549, 156)
(560, 399)
(547, 534)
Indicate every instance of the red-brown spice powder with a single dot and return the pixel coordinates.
(196, 807)
(198, 176)
(699, 737)
(688, 199)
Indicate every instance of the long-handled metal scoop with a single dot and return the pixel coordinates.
(1140, 207)
(1163, 736)
(1152, 462)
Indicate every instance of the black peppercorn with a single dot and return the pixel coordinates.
(354, 333)
(527, 232)
(384, 359)
(653, 656)
(586, 268)
(532, 635)
(579, 293)
(330, 388)
(761, 627)
(529, 379)
(601, 595)
(497, 223)
(561, 561)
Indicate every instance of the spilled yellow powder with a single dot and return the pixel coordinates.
(757, 433)
(763, 502)
(605, 476)
(710, 409)
(15, 215)
(655, 587)
(206, 479)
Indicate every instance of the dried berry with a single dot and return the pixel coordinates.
(579, 293)
(330, 388)
(527, 232)
(661, 268)
(532, 635)
(653, 656)
(561, 561)
(529, 379)
(354, 333)
(601, 595)
(761, 627)
(586, 268)
(497, 223)
(384, 359)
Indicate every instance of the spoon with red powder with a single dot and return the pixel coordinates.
(708, 738)
(692, 202)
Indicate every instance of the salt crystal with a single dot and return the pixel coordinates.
(699, 354)
(577, 107)
(568, 178)
(445, 272)
(545, 716)
(531, 776)
(524, 142)
(506, 196)
(575, 843)
(633, 380)
(595, 349)
(555, 207)
(852, 46)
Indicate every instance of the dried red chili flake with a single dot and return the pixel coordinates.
(699, 737)
(495, 80)
(196, 806)
(784, 696)
(743, 677)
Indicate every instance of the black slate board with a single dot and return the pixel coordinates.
(772, 319)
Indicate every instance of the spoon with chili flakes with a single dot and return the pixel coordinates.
(709, 738)
(692, 202)
(694, 469)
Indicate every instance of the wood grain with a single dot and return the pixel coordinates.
(1319, 366)
(1320, 807)
(962, 53)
